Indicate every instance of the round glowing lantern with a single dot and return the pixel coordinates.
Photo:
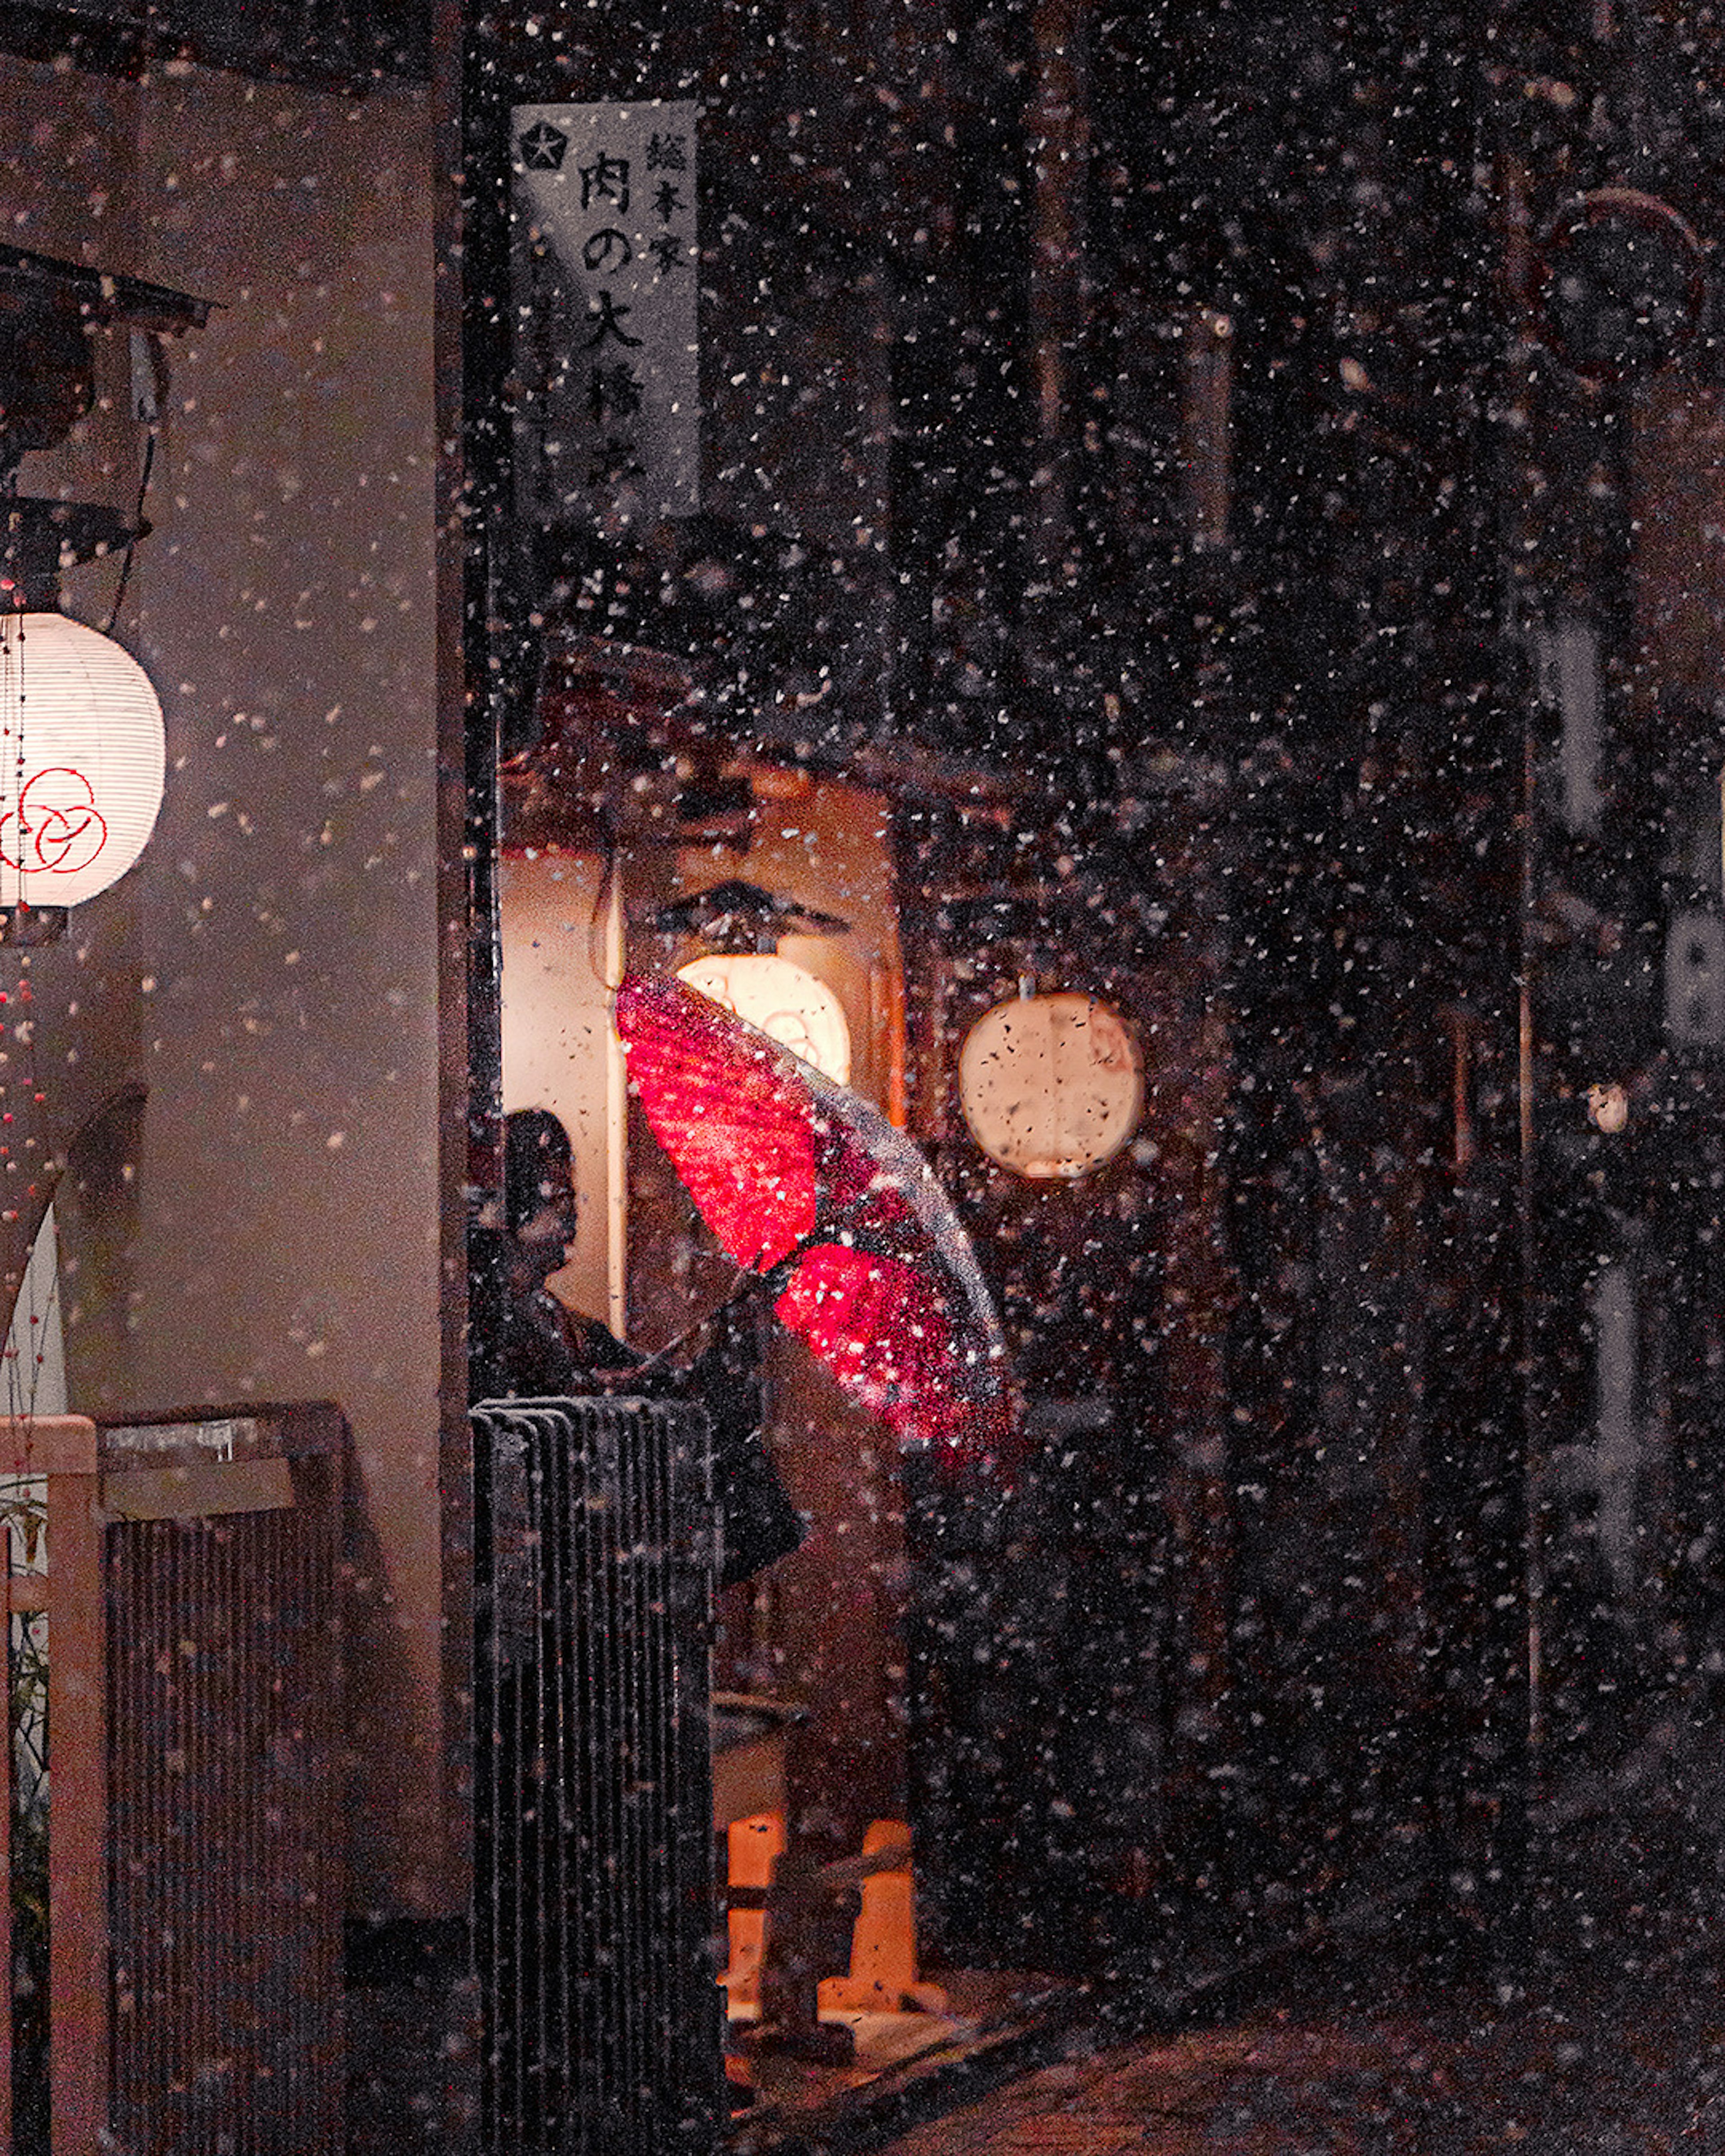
(783, 999)
(1051, 1085)
(81, 761)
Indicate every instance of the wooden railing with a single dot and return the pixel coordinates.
(187, 1567)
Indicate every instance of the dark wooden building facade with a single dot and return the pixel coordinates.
(1165, 459)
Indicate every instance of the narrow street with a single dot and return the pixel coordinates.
(1611, 2042)
(862, 1077)
(1620, 2058)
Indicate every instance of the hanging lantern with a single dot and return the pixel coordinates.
(782, 999)
(1051, 1085)
(82, 761)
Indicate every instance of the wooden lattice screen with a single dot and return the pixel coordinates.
(187, 1568)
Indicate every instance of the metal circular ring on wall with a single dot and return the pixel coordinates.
(1623, 284)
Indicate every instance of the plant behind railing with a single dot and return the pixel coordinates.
(23, 1520)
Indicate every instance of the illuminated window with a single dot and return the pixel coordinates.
(782, 999)
(1051, 1085)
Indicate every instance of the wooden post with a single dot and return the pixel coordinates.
(616, 1117)
(6, 1855)
(63, 1448)
(1198, 1289)
(1206, 454)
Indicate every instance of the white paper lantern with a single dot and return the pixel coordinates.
(81, 761)
(1050, 1085)
(783, 999)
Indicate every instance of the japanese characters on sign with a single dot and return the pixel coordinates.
(606, 358)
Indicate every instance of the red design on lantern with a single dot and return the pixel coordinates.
(60, 830)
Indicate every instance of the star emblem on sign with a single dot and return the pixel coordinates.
(543, 147)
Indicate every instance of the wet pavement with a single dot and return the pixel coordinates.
(1585, 2019)
(1620, 2055)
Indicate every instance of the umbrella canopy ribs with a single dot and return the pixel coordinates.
(806, 1185)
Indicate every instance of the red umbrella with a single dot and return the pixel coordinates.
(801, 1181)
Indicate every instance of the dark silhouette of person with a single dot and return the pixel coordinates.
(539, 1347)
(526, 1344)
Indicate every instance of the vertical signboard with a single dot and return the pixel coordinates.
(607, 360)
